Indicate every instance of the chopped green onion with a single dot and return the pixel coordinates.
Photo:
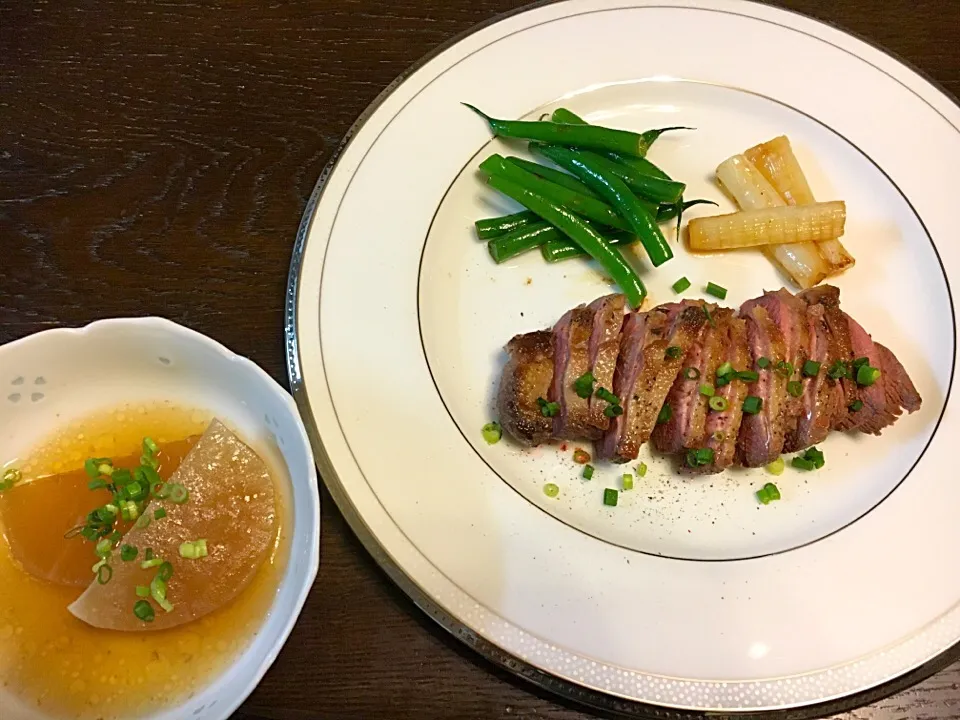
(159, 514)
(179, 494)
(610, 497)
(724, 370)
(104, 574)
(143, 610)
(548, 409)
(195, 550)
(642, 469)
(158, 591)
(768, 493)
(776, 467)
(838, 370)
(136, 491)
(680, 285)
(856, 406)
(588, 472)
(148, 554)
(763, 362)
(151, 562)
(784, 368)
(815, 456)
(811, 368)
(716, 290)
(860, 362)
(160, 490)
(105, 469)
(673, 352)
(723, 380)
(583, 385)
(718, 403)
(867, 376)
(165, 571)
(149, 446)
(492, 432)
(706, 312)
(129, 510)
(551, 490)
(142, 522)
(627, 481)
(795, 388)
(149, 461)
(718, 435)
(752, 404)
(143, 591)
(11, 476)
(612, 411)
(605, 394)
(98, 484)
(666, 412)
(691, 373)
(128, 553)
(103, 548)
(803, 464)
(707, 389)
(748, 375)
(700, 456)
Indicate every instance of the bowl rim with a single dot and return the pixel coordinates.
(311, 534)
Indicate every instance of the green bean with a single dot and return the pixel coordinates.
(559, 249)
(538, 234)
(640, 164)
(521, 240)
(651, 188)
(579, 231)
(588, 207)
(612, 189)
(555, 176)
(591, 137)
(556, 249)
(497, 226)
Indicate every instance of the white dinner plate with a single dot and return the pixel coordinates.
(688, 594)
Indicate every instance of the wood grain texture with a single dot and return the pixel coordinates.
(155, 158)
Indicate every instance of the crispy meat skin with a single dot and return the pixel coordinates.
(628, 354)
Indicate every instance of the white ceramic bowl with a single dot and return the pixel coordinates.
(51, 377)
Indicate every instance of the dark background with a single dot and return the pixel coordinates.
(155, 158)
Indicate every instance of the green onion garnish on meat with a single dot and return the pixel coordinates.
(856, 406)
(718, 403)
(583, 385)
(811, 368)
(666, 412)
(151, 562)
(867, 376)
(610, 497)
(784, 368)
(143, 610)
(725, 369)
(673, 352)
(605, 394)
(680, 285)
(768, 493)
(752, 405)
(128, 553)
(838, 370)
(492, 432)
(612, 411)
(159, 514)
(763, 362)
(716, 290)
(699, 456)
(748, 375)
(707, 390)
(142, 591)
(691, 373)
(795, 388)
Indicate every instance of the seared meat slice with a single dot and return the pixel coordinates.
(762, 434)
(604, 349)
(571, 355)
(875, 415)
(897, 384)
(669, 331)
(821, 396)
(841, 348)
(721, 428)
(687, 406)
(526, 377)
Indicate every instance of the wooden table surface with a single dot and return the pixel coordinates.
(155, 158)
